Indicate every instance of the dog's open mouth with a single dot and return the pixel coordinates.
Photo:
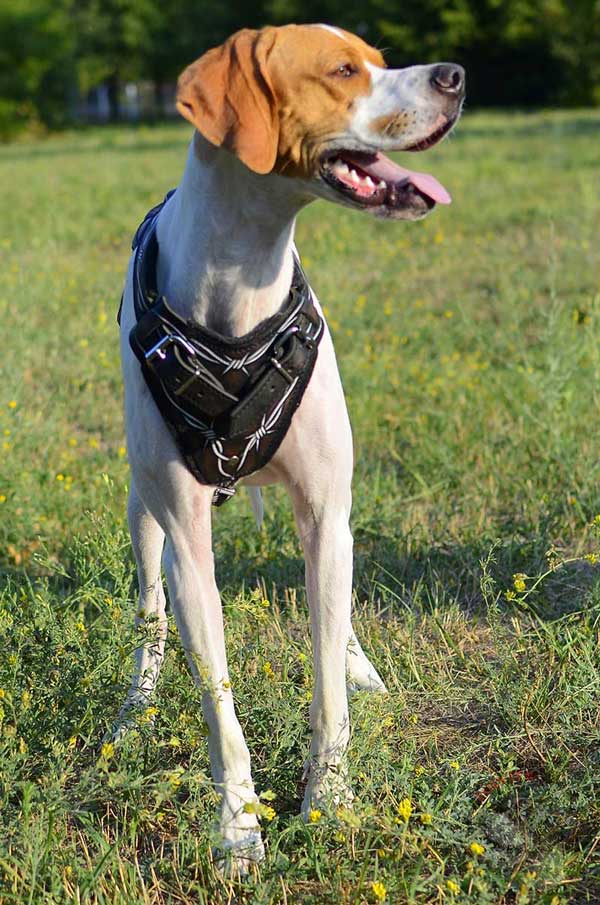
(371, 179)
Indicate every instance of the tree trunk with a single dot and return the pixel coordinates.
(113, 85)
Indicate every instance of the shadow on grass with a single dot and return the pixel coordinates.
(392, 573)
(393, 576)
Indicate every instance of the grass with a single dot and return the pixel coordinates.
(470, 350)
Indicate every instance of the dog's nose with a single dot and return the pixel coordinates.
(449, 78)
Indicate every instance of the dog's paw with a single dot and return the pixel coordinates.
(134, 715)
(240, 848)
(327, 789)
(236, 859)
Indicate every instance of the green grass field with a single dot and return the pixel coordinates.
(469, 346)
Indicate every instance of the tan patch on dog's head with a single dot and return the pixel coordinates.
(275, 97)
(318, 75)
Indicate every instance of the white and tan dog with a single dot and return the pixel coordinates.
(283, 116)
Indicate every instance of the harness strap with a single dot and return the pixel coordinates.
(228, 401)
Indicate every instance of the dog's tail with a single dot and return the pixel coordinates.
(256, 502)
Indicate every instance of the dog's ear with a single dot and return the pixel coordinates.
(228, 96)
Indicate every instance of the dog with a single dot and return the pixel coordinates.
(282, 116)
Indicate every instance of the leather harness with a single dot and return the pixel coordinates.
(228, 401)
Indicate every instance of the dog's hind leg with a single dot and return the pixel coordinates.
(147, 539)
(322, 520)
(361, 675)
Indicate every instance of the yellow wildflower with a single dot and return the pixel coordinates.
(379, 890)
(454, 765)
(314, 815)
(12, 404)
(405, 809)
(72, 741)
(267, 811)
(268, 670)
(452, 887)
(262, 810)
(477, 848)
(26, 699)
(148, 715)
(426, 818)
(107, 751)
(519, 582)
(2, 498)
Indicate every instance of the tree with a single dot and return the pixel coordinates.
(36, 63)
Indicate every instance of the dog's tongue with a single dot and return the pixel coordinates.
(381, 167)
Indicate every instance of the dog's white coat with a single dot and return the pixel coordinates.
(226, 257)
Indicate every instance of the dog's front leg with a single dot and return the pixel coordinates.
(327, 544)
(183, 508)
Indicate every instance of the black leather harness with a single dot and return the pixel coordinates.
(228, 401)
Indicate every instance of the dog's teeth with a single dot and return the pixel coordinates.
(381, 184)
(342, 168)
(369, 182)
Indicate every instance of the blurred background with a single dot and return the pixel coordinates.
(64, 62)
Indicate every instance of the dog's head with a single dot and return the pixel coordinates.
(317, 104)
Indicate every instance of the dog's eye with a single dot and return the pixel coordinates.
(345, 71)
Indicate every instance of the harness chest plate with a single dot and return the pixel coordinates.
(228, 401)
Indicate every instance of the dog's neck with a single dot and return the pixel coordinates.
(226, 241)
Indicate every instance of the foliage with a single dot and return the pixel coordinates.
(36, 63)
(518, 52)
(469, 346)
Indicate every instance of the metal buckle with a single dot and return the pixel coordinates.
(280, 343)
(279, 367)
(279, 351)
(222, 494)
(159, 349)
